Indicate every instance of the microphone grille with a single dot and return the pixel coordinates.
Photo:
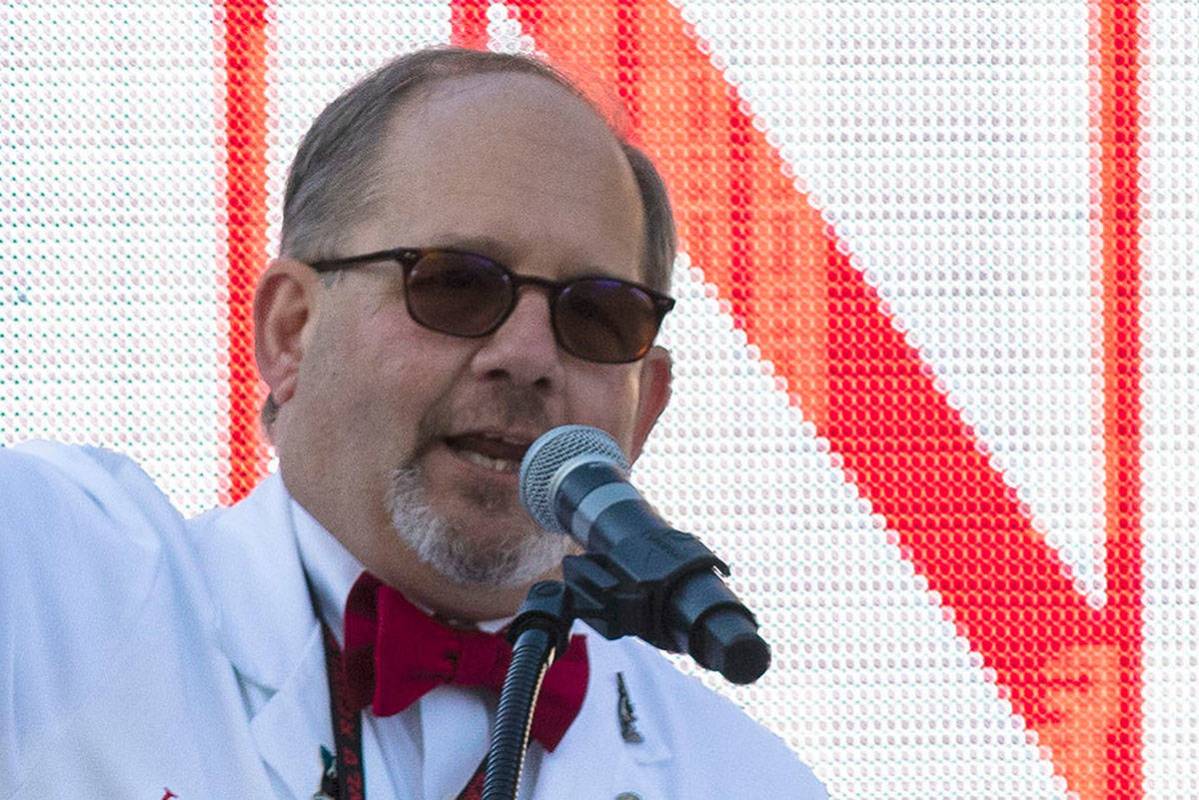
(546, 456)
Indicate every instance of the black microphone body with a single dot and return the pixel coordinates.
(641, 575)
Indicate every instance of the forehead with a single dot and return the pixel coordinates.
(513, 159)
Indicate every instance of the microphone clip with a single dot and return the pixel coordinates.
(627, 590)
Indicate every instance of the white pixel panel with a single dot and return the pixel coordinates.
(111, 273)
(1170, 316)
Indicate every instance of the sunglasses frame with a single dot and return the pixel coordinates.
(409, 257)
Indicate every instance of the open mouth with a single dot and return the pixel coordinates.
(494, 452)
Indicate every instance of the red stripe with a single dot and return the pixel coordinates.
(848, 366)
(741, 209)
(1118, 57)
(628, 58)
(245, 204)
(468, 23)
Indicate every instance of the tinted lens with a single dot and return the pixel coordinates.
(605, 320)
(458, 293)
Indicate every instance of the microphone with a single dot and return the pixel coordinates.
(641, 575)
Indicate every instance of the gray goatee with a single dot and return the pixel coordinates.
(509, 559)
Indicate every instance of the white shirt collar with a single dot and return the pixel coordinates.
(331, 569)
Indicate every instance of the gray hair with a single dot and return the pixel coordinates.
(329, 186)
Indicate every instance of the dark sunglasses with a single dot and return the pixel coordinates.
(596, 318)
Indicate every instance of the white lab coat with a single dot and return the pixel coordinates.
(126, 634)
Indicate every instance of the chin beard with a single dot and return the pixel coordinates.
(506, 560)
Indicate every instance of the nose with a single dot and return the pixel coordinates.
(523, 350)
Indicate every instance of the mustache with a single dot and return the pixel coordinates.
(502, 407)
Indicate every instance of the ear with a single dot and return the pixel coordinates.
(654, 395)
(284, 310)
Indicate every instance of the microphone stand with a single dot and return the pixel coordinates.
(662, 587)
(538, 634)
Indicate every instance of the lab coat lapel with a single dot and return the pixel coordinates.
(595, 759)
(295, 723)
(269, 631)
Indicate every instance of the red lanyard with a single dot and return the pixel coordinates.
(346, 780)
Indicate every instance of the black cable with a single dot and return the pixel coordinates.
(531, 656)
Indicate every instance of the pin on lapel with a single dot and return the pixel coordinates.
(328, 790)
(624, 711)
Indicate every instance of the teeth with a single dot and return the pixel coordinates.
(494, 464)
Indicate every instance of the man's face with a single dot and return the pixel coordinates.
(393, 426)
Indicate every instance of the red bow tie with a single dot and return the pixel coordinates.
(394, 653)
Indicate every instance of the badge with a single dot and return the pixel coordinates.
(624, 712)
(328, 790)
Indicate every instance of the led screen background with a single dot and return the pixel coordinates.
(935, 343)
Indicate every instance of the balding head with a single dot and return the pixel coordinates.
(334, 177)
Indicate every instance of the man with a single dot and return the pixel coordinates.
(470, 257)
